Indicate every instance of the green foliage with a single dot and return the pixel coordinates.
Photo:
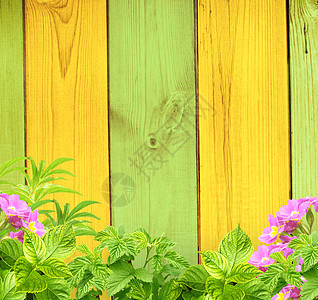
(39, 190)
(37, 265)
(225, 274)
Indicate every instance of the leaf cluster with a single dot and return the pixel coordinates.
(36, 267)
(225, 274)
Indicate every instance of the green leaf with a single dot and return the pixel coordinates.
(10, 251)
(309, 289)
(40, 203)
(56, 268)
(220, 291)
(79, 207)
(117, 281)
(137, 292)
(279, 257)
(237, 247)
(109, 233)
(193, 295)
(86, 250)
(195, 277)
(164, 245)
(254, 290)
(309, 256)
(27, 279)
(57, 289)
(78, 268)
(143, 275)
(141, 239)
(156, 262)
(271, 276)
(33, 247)
(215, 263)
(7, 288)
(60, 242)
(242, 273)
(4, 168)
(165, 291)
(56, 163)
(176, 260)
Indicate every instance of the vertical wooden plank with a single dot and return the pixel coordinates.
(244, 141)
(152, 118)
(304, 96)
(66, 94)
(11, 82)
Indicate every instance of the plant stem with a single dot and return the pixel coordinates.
(147, 257)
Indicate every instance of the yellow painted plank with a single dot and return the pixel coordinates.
(244, 140)
(304, 96)
(66, 94)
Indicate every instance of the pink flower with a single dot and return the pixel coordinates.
(13, 206)
(261, 258)
(290, 226)
(16, 222)
(34, 225)
(288, 292)
(293, 211)
(306, 202)
(283, 248)
(17, 235)
(271, 233)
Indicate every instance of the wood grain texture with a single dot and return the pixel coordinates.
(304, 96)
(66, 94)
(152, 118)
(244, 138)
(11, 82)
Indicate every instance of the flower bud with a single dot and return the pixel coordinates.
(310, 217)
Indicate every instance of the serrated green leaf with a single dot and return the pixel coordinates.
(78, 268)
(33, 247)
(57, 289)
(85, 249)
(237, 247)
(215, 263)
(242, 273)
(193, 295)
(7, 288)
(279, 257)
(309, 289)
(156, 262)
(10, 251)
(254, 290)
(176, 260)
(270, 277)
(27, 279)
(60, 242)
(56, 268)
(117, 281)
(195, 277)
(143, 275)
(218, 290)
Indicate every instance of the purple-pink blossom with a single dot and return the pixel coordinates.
(261, 258)
(293, 211)
(13, 206)
(34, 225)
(271, 233)
(17, 235)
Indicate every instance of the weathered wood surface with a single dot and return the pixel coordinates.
(66, 94)
(152, 118)
(244, 139)
(304, 96)
(11, 82)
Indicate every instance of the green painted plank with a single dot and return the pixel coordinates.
(11, 81)
(152, 118)
(304, 96)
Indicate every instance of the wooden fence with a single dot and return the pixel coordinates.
(203, 113)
